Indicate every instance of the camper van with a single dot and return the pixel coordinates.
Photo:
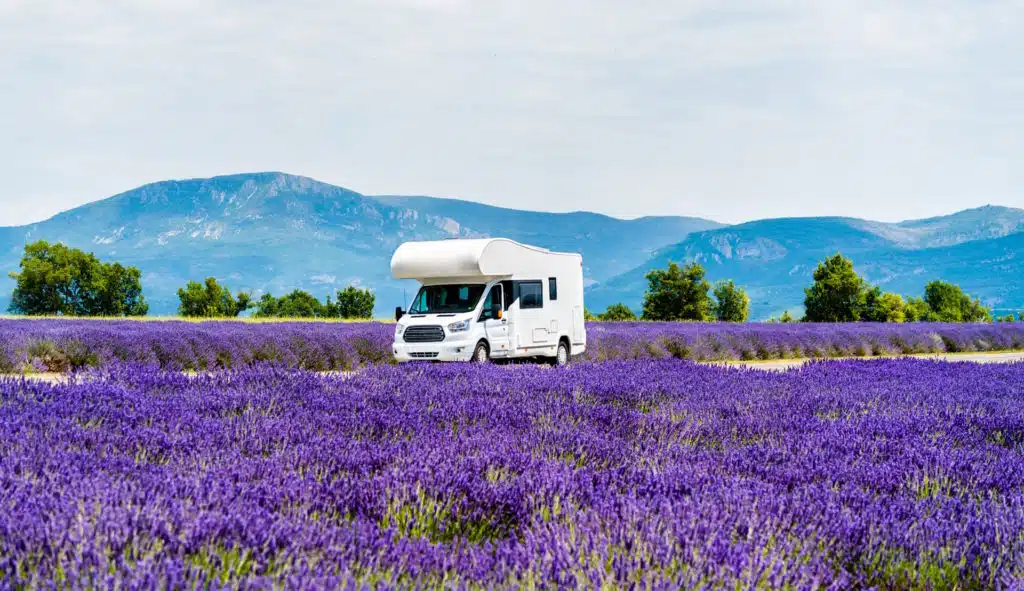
(484, 299)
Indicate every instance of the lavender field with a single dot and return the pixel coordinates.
(898, 474)
(61, 345)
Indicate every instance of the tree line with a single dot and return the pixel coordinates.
(838, 294)
(682, 293)
(212, 300)
(56, 280)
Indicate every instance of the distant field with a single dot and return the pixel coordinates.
(896, 474)
(60, 345)
(761, 341)
(246, 320)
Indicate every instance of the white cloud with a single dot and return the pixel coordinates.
(884, 109)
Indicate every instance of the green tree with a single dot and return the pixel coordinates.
(266, 307)
(211, 300)
(1008, 318)
(786, 317)
(617, 313)
(588, 316)
(121, 294)
(732, 303)
(677, 293)
(917, 310)
(57, 280)
(949, 303)
(838, 293)
(883, 307)
(331, 308)
(243, 302)
(356, 303)
(297, 304)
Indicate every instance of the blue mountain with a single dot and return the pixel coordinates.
(273, 232)
(980, 249)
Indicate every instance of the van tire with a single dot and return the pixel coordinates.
(562, 354)
(482, 353)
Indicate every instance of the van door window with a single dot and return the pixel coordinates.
(508, 294)
(531, 295)
(492, 304)
(552, 288)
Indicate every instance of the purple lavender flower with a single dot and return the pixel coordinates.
(625, 474)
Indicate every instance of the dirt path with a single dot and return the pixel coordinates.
(769, 366)
(50, 378)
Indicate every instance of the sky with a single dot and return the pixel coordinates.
(739, 110)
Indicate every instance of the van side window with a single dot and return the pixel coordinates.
(552, 288)
(531, 295)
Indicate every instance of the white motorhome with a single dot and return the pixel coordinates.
(492, 298)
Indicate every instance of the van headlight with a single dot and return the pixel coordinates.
(398, 329)
(459, 326)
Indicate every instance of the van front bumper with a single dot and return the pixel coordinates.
(454, 351)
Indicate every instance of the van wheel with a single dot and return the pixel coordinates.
(481, 354)
(562, 354)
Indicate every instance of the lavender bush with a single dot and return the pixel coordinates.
(62, 345)
(899, 474)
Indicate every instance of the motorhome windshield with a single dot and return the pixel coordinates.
(447, 299)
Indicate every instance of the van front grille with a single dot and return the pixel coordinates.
(423, 334)
(429, 355)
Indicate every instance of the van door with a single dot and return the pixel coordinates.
(496, 323)
(577, 324)
(532, 318)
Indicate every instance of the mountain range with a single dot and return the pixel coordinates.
(273, 232)
(980, 249)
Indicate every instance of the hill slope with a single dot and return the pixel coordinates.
(275, 232)
(774, 259)
(970, 224)
(610, 246)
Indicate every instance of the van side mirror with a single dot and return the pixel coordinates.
(498, 314)
(399, 312)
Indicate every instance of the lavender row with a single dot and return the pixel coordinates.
(725, 341)
(61, 345)
(900, 474)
